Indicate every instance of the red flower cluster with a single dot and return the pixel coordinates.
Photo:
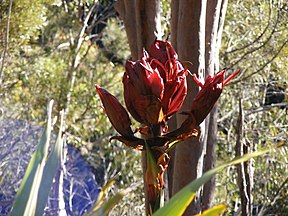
(154, 89)
(155, 86)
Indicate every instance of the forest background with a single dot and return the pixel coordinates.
(52, 51)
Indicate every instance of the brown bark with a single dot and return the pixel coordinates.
(212, 21)
(196, 30)
(190, 47)
(142, 24)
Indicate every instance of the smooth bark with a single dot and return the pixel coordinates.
(190, 45)
(212, 24)
(142, 24)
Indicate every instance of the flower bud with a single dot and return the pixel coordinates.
(162, 51)
(116, 113)
(143, 91)
(210, 92)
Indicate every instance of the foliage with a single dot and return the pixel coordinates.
(39, 69)
(33, 193)
(179, 202)
(253, 40)
(27, 18)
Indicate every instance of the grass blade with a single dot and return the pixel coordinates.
(26, 198)
(52, 165)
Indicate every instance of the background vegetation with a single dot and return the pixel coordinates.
(43, 57)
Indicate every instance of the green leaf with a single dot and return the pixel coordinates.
(26, 198)
(214, 211)
(112, 202)
(179, 202)
(102, 196)
(103, 208)
(33, 194)
(53, 163)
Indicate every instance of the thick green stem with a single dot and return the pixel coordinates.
(154, 179)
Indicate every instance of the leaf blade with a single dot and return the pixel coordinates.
(179, 202)
(25, 201)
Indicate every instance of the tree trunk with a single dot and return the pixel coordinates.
(212, 26)
(142, 24)
(244, 170)
(196, 30)
(188, 22)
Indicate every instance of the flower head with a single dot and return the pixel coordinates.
(155, 86)
(143, 91)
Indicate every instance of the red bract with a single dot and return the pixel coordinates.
(155, 86)
(116, 113)
(143, 91)
(162, 51)
(175, 89)
(209, 94)
(165, 59)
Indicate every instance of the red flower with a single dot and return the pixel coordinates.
(209, 94)
(155, 86)
(143, 91)
(162, 51)
(165, 59)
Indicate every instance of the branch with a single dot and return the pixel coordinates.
(243, 169)
(259, 47)
(77, 59)
(262, 67)
(268, 107)
(6, 40)
(257, 38)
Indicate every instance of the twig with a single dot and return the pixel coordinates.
(261, 68)
(268, 107)
(6, 40)
(77, 58)
(244, 169)
(258, 47)
(257, 38)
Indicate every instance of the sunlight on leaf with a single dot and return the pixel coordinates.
(26, 198)
(214, 211)
(103, 208)
(32, 196)
(179, 202)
